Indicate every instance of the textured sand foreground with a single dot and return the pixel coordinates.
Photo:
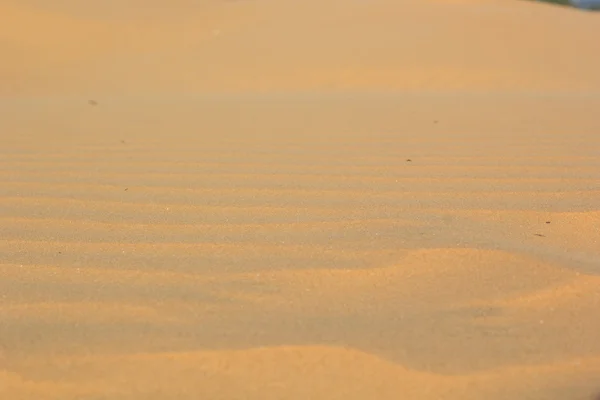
(400, 201)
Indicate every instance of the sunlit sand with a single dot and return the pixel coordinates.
(299, 200)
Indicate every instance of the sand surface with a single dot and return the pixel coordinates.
(287, 199)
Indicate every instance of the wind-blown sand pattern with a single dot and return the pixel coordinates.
(299, 200)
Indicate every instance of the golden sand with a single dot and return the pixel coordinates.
(299, 200)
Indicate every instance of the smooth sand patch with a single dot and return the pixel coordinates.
(268, 45)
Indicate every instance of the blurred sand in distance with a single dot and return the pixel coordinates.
(268, 199)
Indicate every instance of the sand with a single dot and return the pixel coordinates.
(299, 200)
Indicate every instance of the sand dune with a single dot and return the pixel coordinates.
(122, 47)
(299, 200)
